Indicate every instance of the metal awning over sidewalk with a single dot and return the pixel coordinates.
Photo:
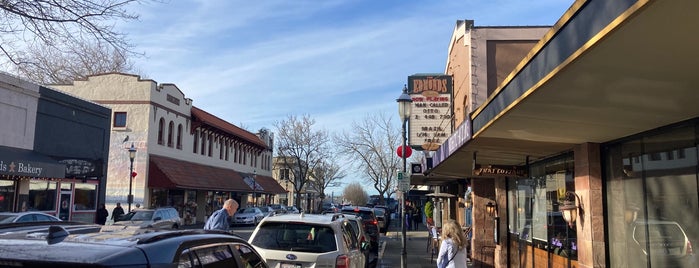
(606, 70)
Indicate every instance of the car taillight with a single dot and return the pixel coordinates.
(342, 261)
(689, 248)
(376, 222)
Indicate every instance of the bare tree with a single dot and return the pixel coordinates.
(370, 145)
(32, 30)
(48, 66)
(326, 174)
(355, 194)
(301, 149)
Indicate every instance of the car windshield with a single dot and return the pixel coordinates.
(7, 218)
(378, 212)
(301, 237)
(264, 209)
(142, 216)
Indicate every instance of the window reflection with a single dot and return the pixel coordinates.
(652, 200)
(42, 196)
(534, 215)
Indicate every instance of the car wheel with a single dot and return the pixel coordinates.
(175, 226)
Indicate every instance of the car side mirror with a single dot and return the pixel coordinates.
(157, 218)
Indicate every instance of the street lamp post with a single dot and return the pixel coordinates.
(404, 109)
(132, 155)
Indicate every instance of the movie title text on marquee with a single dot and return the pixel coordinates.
(430, 121)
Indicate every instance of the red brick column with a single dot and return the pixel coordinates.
(590, 225)
(482, 241)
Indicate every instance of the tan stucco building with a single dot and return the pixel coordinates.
(186, 157)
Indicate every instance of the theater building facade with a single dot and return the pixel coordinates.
(599, 120)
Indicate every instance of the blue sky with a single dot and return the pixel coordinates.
(252, 63)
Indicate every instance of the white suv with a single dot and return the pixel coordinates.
(308, 240)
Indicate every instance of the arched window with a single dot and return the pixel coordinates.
(179, 136)
(227, 148)
(203, 143)
(245, 156)
(161, 125)
(235, 153)
(170, 133)
(211, 143)
(220, 148)
(196, 141)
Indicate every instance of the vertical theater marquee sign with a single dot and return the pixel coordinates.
(430, 121)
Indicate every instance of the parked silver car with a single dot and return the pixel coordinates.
(161, 218)
(13, 217)
(251, 215)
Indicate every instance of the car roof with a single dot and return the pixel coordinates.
(24, 213)
(302, 218)
(125, 247)
(353, 208)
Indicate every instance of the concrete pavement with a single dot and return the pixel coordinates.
(416, 248)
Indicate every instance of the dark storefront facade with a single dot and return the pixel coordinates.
(63, 174)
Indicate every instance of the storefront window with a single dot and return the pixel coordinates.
(520, 195)
(534, 215)
(85, 196)
(7, 193)
(42, 196)
(158, 198)
(652, 199)
(190, 208)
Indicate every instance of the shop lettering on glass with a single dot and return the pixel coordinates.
(79, 167)
(431, 119)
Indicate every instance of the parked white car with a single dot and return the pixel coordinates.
(300, 240)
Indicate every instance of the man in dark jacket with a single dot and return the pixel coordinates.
(117, 212)
(102, 214)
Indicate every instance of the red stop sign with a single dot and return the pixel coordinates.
(133, 174)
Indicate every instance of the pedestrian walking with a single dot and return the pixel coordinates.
(219, 219)
(117, 212)
(417, 218)
(452, 251)
(101, 215)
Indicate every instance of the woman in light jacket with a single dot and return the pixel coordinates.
(452, 251)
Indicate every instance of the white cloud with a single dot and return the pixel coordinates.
(256, 62)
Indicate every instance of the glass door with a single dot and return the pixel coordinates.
(65, 203)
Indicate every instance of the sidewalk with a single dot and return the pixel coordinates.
(416, 248)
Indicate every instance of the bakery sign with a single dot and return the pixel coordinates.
(431, 116)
